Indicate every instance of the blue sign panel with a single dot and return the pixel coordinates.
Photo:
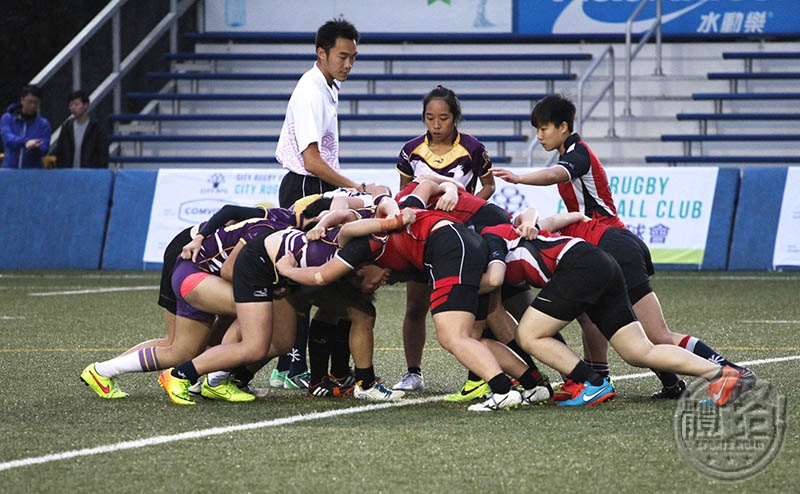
(703, 18)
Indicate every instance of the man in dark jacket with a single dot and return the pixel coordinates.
(26, 134)
(83, 142)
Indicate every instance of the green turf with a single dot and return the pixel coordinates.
(622, 446)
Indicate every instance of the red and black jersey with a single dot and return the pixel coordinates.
(528, 262)
(587, 190)
(591, 231)
(401, 251)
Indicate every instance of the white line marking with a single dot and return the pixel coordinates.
(215, 431)
(94, 290)
(771, 322)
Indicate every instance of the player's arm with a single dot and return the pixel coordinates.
(329, 272)
(495, 273)
(527, 223)
(315, 165)
(330, 219)
(558, 221)
(228, 212)
(487, 186)
(544, 176)
(361, 228)
(439, 179)
(226, 271)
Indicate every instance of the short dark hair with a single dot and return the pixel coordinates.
(449, 97)
(553, 109)
(78, 94)
(333, 29)
(31, 89)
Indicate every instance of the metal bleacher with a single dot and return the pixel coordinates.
(380, 104)
(758, 96)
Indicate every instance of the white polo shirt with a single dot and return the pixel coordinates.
(311, 116)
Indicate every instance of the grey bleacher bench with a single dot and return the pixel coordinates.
(342, 97)
(718, 98)
(372, 79)
(749, 56)
(390, 58)
(740, 159)
(703, 118)
(274, 138)
(688, 139)
(281, 116)
(353, 98)
(735, 77)
(138, 139)
(232, 160)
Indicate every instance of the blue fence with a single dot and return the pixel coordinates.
(97, 219)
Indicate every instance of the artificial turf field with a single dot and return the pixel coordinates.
(58, 436)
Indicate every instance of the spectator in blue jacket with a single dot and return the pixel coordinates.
(26, 134)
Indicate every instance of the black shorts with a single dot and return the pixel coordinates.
(455, 258)
(587, 280)
(489, 215)
(255, 277)
(633, 256)
(295, 186)
(166, 296)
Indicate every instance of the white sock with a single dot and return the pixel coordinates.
(215, 378)
(119, 365)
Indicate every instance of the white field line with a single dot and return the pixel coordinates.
(215, 431)
(94, 290)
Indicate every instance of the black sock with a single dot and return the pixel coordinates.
(186, 370)
(668, 379)
(530, 378)
(243, 375)
(415, 370)
(599, 367)
(319, 334)
(514, 346)
(366, 377)
(339, 345)
(284, 361)
(297, 356)
(471, 376)
(699, 348)
(500, 384)
(582, 373)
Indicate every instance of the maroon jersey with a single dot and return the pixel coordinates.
(216, 248)
(466, 162)
(528, 262)
(317, 252)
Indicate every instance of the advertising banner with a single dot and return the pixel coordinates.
(787, 241)
(678, 17)
(669, 208)
(369, 16)
(541, 18)
(186, 197)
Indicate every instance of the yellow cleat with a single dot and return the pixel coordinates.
(225, 391)
(471, 390)
(176, 388)
(105, 387)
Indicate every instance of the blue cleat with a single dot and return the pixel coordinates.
(587, 395)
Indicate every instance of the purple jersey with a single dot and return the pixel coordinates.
(466, 162)
(317, 252)
(215, 249)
